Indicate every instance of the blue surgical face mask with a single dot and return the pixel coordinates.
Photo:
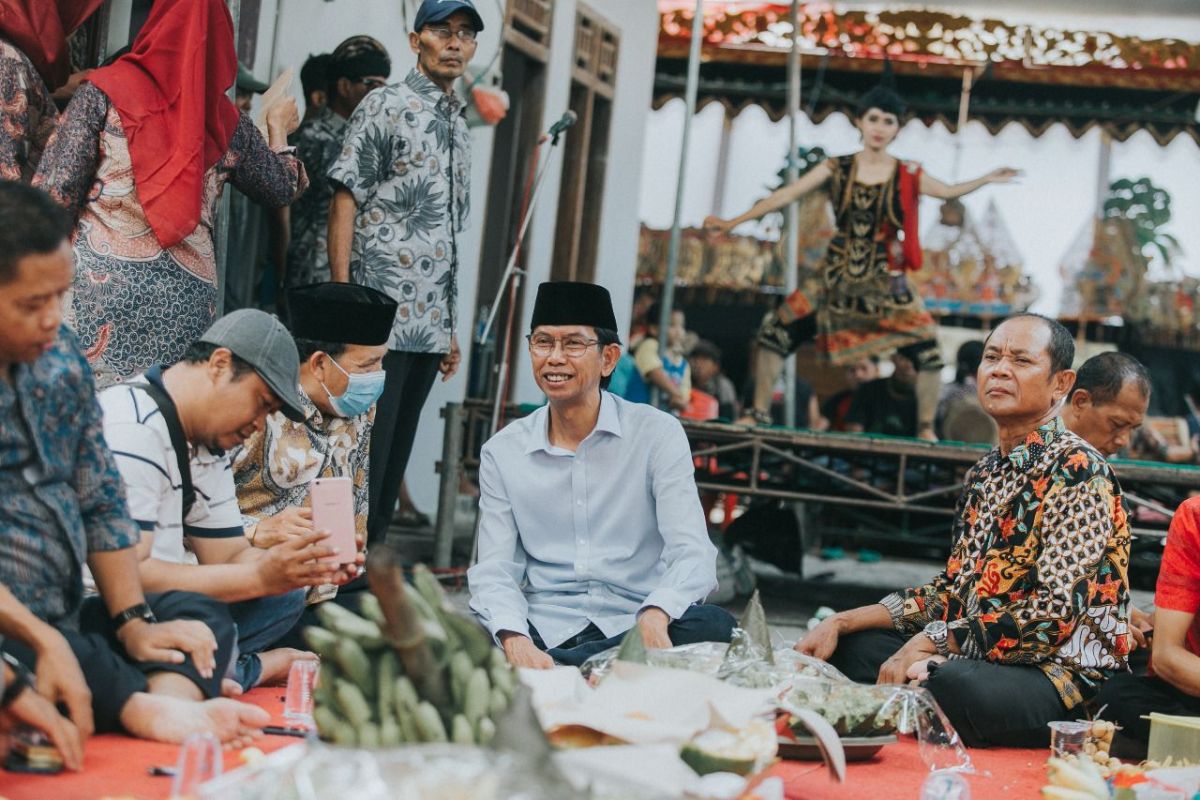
(362, 390)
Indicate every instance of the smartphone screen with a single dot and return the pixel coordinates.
(333, 511)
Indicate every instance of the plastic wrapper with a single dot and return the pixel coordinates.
(314, 771)
(855, 709)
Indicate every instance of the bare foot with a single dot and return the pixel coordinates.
(170, 719)
(230, 688)
(927, 434)
(276, 664)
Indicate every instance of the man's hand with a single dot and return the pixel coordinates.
(450, 361)
(278, 528)
(171, 643)
(653, 624)
(919, 671)
(1140, 625)
(30, 708)
(349, 571)
(821, 641)
(60, 680)
(522, 652)
(294, 564)
(282, 120)
(895, 669)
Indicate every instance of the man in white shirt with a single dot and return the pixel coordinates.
(590, 521)
(242, 369)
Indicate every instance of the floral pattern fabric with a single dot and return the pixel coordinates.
(27, 115)
(318, 144)
(63, 497)
(1038, 574)
(274, 468)
(406, 159)
(135, 304)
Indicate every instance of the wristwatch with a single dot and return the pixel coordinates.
(938, 631)
(140, 611)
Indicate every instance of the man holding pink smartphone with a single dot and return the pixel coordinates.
(169, 431)
(294, 476)
(589, 518)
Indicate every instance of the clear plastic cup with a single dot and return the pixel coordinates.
(945, 785)
(298, 703)
(1068, 737)
(199, 762)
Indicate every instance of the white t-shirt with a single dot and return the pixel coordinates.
(141, 445)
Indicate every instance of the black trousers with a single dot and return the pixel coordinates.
(988, 704)
(112, 676)
(701, 622)
(410, 376)
(1128, 697)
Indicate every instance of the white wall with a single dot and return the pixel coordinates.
(292, 29)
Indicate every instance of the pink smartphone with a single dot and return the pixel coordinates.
(333, 511)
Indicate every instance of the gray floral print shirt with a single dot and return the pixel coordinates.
(406, 159)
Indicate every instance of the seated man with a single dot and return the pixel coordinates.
(1029, 616)
(887, 405)
(341, 331)
(1173, 687)
(147, 661)
(590, 521)
(242, 369)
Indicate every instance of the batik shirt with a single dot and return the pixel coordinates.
(406, 159)
(62, 493)
(274, 468)
(27, 114)
(318, 144)
(1038, 574)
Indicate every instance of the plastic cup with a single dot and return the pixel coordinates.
(1067, 737)
(199, 762)
(298, 702)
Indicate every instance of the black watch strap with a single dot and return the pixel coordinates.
(19, 683)
(140, 611)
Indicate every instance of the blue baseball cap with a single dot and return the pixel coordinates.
(440, 10)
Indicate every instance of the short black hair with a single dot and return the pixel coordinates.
(1105, 375)
(967, 360)
(306, 348)
(314, 75)
(882, 98)
(606, 336)
(1062, 346)
(33, 225)
(706, 349)
(201, 352)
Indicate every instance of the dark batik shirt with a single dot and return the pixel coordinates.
(62, 492)
(318, 144)
(27, 115)
(1038, 574)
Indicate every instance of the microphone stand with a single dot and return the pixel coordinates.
(513, 274)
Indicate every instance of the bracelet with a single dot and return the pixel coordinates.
(20, 681)
(140, 611)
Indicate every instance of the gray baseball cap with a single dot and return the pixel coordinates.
(260, 340)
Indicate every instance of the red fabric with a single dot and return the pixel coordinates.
(910, 255)
(170, 93)
(115, 766)
(39, 29)
(1178, 587)
(898, 772)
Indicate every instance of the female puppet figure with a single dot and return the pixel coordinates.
(867, 308)
(34, 62)
(140, 156)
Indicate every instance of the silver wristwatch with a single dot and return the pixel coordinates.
(938, 631)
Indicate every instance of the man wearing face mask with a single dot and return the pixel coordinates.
(341, 332)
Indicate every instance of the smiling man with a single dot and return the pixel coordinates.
(400, 202)
(243, 368)
(1030, 615)
(590, 521)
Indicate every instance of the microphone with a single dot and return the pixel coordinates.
(568, 119)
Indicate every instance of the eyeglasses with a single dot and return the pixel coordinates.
(444, 33)
(371, 83)
(573, 346)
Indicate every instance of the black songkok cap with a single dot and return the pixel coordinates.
(571, 303)
(343, 313)
(359, 57)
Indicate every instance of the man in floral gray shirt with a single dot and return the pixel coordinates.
(399, 207)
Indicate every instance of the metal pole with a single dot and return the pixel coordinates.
(221, 240)
(693, 81)
(451, 469)
(1103, 172)
(792, 239)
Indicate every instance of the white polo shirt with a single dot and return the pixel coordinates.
(141, 445)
